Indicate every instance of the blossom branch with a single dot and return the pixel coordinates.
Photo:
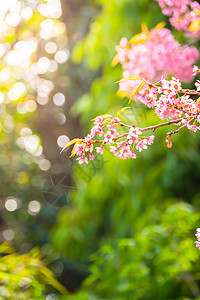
(164, 96)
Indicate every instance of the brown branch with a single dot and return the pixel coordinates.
(175, 131)
(189, 92)
(183, 91)
(153, 128)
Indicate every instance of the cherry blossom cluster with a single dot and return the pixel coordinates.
(122, 145)
(169, 100)
(173, 103)
(154, 54)
(198, 238)
(182, 14)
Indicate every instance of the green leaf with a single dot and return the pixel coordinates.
(195, 25)
(197, 102)
(71, 143)
(115, 60)
(106, 116)
(136, 90)
(133, 77)
(122, 110)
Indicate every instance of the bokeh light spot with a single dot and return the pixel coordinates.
(34, 207)
(62, 140)
(11, 204)
(59, 99)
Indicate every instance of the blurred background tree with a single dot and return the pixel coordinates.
(126, 227)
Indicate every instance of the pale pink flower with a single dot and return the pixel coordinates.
(100, 149)
(79, 149)
(192, 127)
(181, 13)
(91, 156)
(198, 245)
(82, 159)
(125, 153)
(88, 138)
(112, 130)
(150, 139)
(114, 150)
(195, 70)
(96, 130)
(198, 234)
(132, 154)
(124, 42)
(175, 85)
(159, 54)
(141, 145)
(197, 84)
(98, 120)
(108, 138)
(135, 130)
(89, 147)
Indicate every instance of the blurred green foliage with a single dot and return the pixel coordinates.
(24, 276)
(130, 229)
(133, 222)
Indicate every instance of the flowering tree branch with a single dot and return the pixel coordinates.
(164, 97)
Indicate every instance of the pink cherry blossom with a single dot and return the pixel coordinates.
(141, 145)
(198, 238)
(79, 149)
(195, 70)
(82, 159)
(125, 153)
(197, 84)
(108, 138)
(198, 245)
(192, 127)
(98, 120)
(114, 150)
(159, 55)
(100, 149)
(198, 234)
(96, 130)
(150, 139)
(182, 13)
(91, 156)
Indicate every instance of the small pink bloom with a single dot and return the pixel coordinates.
(150, 139)
(198, 245)
(82, 159)
(89, 147)
(141, 145)
(132, 138)
(195, 70)
(98, 120)
(91, 156)
(79, 149)
(124, 153)
(100, 149)
(197, 84)
(112, 130)
(192, 127)
(124, 42)
(198, 234)
(88, 138)
(114, 150)
(97, 129)
(132, 154)
(108, 138)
